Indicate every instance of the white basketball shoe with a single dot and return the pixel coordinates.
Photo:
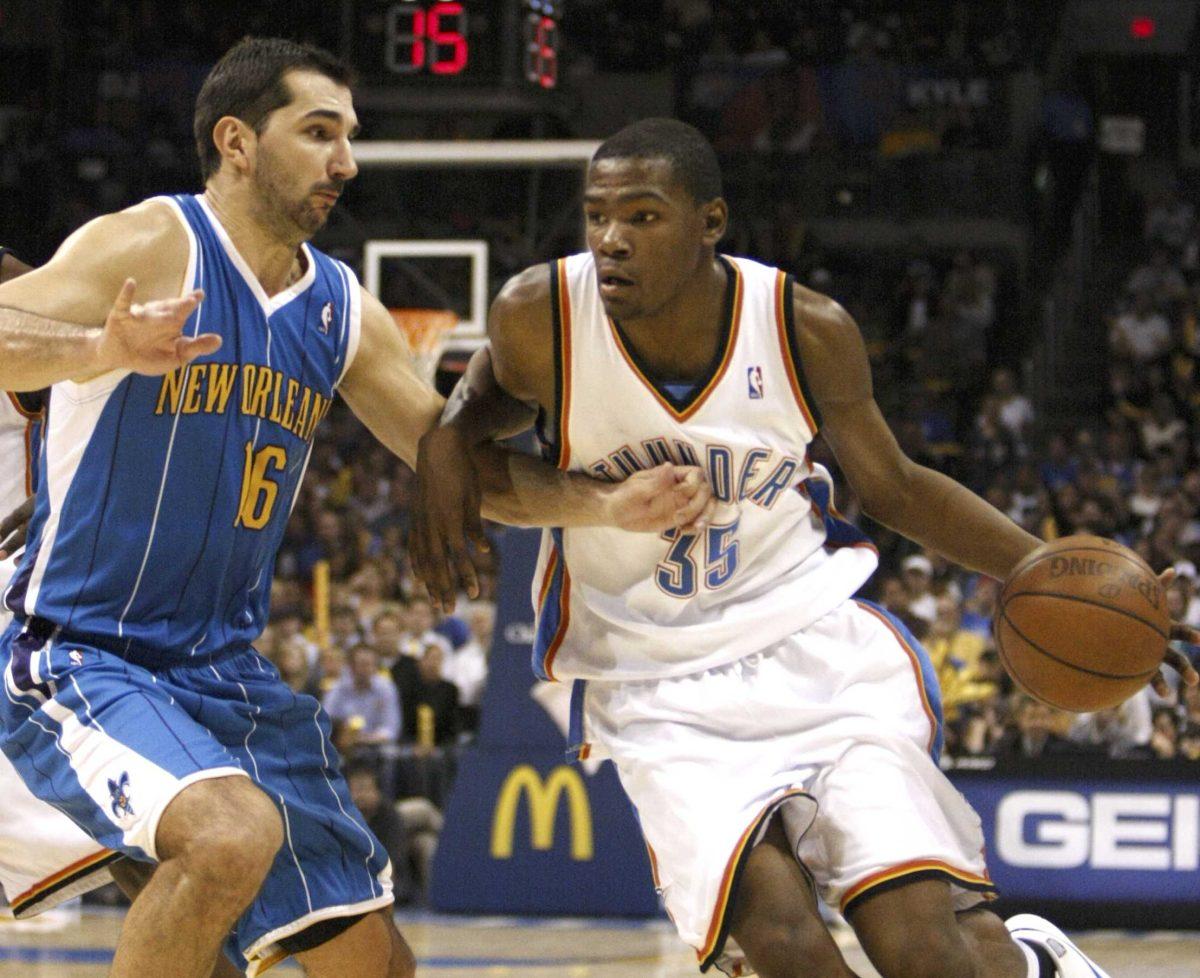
(1068, 959)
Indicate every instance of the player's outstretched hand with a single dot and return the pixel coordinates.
(146, 337)
(1173, 657)
(665, 497)
(446, 518)
(13, 527)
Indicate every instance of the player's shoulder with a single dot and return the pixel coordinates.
(820, 320)
(151, 229)
(522, 306)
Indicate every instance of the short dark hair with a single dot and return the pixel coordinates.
(684, 147)
(248, 83)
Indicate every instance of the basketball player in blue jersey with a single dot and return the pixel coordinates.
(777, 738)
(178, 432)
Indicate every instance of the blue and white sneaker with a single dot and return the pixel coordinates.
(1069, 961)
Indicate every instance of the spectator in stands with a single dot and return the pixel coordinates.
(1169, 220)
(1158, 280)
(365, 700)
(385, 822)
(1189, 742)
(1013, 409)
(918, 580)
(1058, 468)
(466, 663)
(291, 659)
(1164, 739)
(419, 626)
(387, 635)
(429, 703)
(1142, 333)
(344, 630)
(369, 588)
(1162, 426)
(1121, 732)
(1040, 730)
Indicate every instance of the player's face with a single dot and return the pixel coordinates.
(649, 236)
(304, 157)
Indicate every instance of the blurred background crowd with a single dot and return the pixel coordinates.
(1022, 256)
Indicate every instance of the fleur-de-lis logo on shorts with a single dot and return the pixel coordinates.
(119, 790)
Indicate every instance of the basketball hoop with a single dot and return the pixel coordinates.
(425, 330)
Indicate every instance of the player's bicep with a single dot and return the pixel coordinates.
(79, 284)
(382, 387)
(520, 333)
(838, 372)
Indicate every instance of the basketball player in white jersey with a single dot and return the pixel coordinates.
(777, 738)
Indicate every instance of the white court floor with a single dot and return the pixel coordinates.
(79, 945)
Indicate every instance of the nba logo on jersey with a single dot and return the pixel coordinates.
(326, 318)
(754, 380)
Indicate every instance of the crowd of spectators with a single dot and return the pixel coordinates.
(1133, 476)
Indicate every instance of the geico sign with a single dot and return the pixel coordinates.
(543, 809)
(1114, 830)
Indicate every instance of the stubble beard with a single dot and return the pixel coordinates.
(292, 220)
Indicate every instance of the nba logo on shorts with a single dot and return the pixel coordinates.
(326, 318)
(754, 381)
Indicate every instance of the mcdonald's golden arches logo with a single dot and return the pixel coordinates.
(543, 809)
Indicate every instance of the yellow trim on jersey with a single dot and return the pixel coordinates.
(916, 667)
(730, 344)
(910, 868)
(725, 892)
(781, 320)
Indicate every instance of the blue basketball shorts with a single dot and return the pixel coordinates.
(110, 744)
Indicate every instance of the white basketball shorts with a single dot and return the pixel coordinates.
(45, 858)
(836, 728)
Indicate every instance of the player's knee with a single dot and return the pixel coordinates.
(233, 848)
(936, 955)
(403, 963)
(786, 946)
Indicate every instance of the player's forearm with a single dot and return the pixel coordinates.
(947, 517)
(36, 352)
(524, 491)
(480, 409)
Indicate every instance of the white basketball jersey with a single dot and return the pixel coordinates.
(617, 605)
(16, 468)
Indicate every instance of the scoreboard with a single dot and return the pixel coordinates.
(478, 43)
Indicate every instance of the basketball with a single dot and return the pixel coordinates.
(1082, 623)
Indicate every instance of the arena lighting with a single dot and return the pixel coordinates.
(1142, 28)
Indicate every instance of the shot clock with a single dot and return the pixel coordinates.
(484, 43)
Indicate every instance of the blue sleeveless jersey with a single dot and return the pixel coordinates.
(162, 500)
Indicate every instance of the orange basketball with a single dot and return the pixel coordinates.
(1082, 623)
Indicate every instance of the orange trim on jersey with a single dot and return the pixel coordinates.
(549, 576)
(564, 621)
(16, 402)
(78, 868)
(916, 667)
(732, 868)
(564, 408)
(28, 458)
(908, 869)
(781, 320)
(730, 344)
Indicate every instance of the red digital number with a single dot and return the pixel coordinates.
(541, 51)
(411, 30)
(455, 60)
